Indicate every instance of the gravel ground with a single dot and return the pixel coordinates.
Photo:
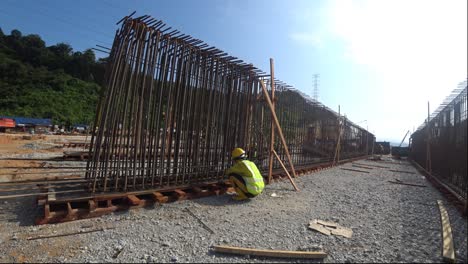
(390, 223)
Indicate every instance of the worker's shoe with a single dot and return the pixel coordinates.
(239, 197)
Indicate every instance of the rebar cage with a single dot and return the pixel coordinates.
(173, 108)
(440, 146)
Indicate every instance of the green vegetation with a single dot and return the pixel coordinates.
(48, 82)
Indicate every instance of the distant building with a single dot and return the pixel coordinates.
(80, 128)
(38, 125)
(6, 124)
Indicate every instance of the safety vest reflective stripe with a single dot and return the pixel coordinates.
(254, 183)
(252, 180)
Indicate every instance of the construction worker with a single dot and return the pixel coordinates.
(245, 176)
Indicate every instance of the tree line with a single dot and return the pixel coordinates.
(48, 82)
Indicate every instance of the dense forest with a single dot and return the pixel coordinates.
(48, 82)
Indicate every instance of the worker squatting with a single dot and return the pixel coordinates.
(245, 176)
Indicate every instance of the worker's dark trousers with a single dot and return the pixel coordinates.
(239, 182)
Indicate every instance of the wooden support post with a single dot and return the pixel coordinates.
(286, 170)
(336, 157)
(278, 127)
(272, 139)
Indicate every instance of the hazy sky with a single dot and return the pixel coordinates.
(382, 61)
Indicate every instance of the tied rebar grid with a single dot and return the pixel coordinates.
(174, 108)
(445, 132)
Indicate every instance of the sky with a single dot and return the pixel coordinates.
(381, 61)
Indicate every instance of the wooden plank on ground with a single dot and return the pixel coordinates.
(325, 223)
(448, 251)
(362, 167)
(271, 253)
(342, 231)
(354, 170)
(369, 165)
(319, 228)
(328, 228)
(410, 172)
(404, 183)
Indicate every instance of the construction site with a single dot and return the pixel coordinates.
(148, 182)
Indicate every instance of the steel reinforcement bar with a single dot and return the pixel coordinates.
(173, 108)
(439, 145)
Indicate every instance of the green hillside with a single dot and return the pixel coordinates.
(48, 82)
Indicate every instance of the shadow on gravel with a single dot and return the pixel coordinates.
(22, 210)
(270, 188)
(221, 200)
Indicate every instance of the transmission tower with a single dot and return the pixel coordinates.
(316, 89)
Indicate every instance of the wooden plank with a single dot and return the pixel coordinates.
(448, 251)
(180, 194)
(404, 183)
(272, 132)
(278, 127)
(284, 168)
(160, 197)
(362, 167)
(271, 253)
(410, 172)
(328, 228)
(342, 231)
(336, 157)
(325, 223)
(354, 170)
(377, 166)
(319, 228)
(133, 199)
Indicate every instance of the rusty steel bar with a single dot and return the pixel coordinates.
(439, 144)
(173, 108)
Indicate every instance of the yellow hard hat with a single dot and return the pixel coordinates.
(238, 153)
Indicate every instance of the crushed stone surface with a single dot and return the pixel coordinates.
(391, 223)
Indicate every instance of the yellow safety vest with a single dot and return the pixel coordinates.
(251, 175)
